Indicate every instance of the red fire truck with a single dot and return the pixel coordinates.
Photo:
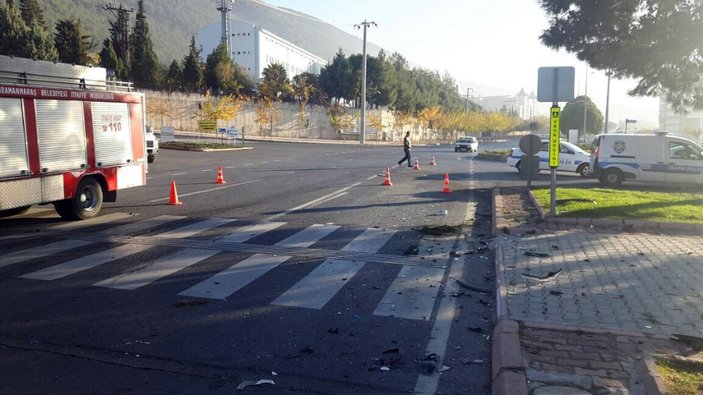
(68, 136)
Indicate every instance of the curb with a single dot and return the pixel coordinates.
(508, 367)
(653, 382)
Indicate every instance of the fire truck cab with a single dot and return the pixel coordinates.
(68, 136)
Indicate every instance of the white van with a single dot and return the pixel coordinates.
(655, 158)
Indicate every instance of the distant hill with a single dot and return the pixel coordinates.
(173, 22)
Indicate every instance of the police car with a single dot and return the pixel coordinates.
(571, 158)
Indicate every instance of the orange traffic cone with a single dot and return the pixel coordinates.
(417, 165)
(432, 162)
(446, 184)
(173, 198)
(387, 181)
(220, 178)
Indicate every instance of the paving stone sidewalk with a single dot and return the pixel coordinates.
(593, 304)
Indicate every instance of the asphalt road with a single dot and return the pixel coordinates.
(301, 269)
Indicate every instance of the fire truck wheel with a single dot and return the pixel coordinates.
(13, 211)
(85, 204)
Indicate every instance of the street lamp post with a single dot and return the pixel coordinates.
(362, 129)
(585, 102)
(607, 103)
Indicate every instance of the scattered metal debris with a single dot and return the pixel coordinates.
(190, 303)
(536, 254)
(471, 287)
(550, 276)
(247, 383)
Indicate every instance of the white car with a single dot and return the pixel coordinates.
(466, 143)
(152, 144)
(571, 158)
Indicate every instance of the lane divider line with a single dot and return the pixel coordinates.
(206, 190)
(313, 202)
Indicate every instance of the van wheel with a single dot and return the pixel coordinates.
(86, 203)
(612, 178)
(583, 170)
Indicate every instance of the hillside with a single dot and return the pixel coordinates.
(173, 22)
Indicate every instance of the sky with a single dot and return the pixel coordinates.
(483, 42)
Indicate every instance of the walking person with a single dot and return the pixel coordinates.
(406, 147)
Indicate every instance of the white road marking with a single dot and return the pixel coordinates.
(249, 232)
(86, 262)
(139, 226)
(308, 236)
(178, 174)
(206, 191)
(193, 229)
(234, 278)
(73, 225)
(312, 202)
(428, 384)
(320, 286)
(412, 294)
(370, 241)
(204, 170)
(157, 269)
(316, 289)
(41, 251)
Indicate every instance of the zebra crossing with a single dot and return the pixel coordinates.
(409, 295)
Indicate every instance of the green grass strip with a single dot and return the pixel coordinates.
(625, 204)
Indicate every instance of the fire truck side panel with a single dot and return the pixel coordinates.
(89, 134)
(136, 112)
(61, 130)
(30, 121)
(14, 160)
(111, 134)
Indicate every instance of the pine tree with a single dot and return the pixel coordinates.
(110, 60)
(35, 39)
(174, 77)
(192, 72)
(31, 12)
(145, 64)
(12, 29)
(71, 42)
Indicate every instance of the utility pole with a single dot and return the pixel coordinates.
(362, 129)
(120, 30)
(468, 92)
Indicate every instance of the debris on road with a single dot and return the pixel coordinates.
(471, 287)
(428, 364)
(550, 276)
(536, 254)
(439, 230)
(412, 250)
(190, 303)
(247, 383)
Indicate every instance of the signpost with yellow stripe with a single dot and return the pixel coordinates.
(554, 137)
(207, 125)
(554, 84)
